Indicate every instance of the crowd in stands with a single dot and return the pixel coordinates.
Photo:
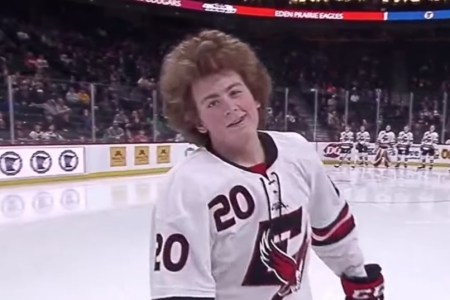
(77, 76)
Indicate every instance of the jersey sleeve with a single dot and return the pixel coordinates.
(334, 236)
(424, 137)
(380, 136)
(181, 255)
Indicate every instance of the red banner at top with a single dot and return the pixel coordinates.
(309, 15)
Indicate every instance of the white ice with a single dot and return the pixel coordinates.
(90, 240)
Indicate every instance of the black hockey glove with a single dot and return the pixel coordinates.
(365, 288)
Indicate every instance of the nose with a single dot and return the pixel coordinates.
(230, 106)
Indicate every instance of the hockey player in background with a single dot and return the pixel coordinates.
(346, 144)
(428, 147)
(404, 142)
(238, 218)
(385, 141)
(362, 146)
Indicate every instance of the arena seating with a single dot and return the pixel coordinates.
(76, 75)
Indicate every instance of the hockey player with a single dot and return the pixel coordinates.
(346, 145)
(385, 141)
(238, 218)
(404, 142)
(362, 146)
(428, 147)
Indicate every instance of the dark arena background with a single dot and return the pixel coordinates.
(84, 141)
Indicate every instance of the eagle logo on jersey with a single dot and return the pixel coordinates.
(288, 269)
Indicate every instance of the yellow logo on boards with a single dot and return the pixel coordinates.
(118, 156)
(141, 156)
(163, 154)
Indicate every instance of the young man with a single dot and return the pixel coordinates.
(385, 141)
(362, 146)
(346, 140)
(404, 142)
(236, 219)
(428, 147)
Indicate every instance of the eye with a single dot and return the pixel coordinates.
(212, 103)
(234, 93)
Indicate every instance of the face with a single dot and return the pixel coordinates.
(347, 128)
(226, 108)
(363, 128)
(406, 128)
(432, 128)
(388, 128)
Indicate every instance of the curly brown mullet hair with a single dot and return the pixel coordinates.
(208, 52)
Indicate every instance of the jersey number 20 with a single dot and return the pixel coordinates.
(165, 248)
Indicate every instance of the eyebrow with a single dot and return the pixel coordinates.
(214, 95)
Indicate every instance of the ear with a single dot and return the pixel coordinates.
(201, 129)
(258, 105)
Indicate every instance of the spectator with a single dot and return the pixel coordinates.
(86, 120)
(141, 137)
(120, 118)
(135, 122)
(72, 97)
(2, 121)
(52, 135)
(62, 110)
(115, 134)
(333, 119)
(37, 134)
(4, 132)
(49, 107)
(41, 63)
(128, 135)
(84, 97)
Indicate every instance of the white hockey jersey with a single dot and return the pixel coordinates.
(405, 139)
(430, 138)
(346, 138)
(225, 232)
(386, 138)
(363, 137)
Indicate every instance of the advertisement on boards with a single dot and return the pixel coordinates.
(163, 154)
(28, 162)
(118, 156)
(141, 155)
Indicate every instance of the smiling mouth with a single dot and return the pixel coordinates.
(237, 122)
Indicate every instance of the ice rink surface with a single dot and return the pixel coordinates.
(90, 240)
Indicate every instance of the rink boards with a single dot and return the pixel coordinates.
(46, 163)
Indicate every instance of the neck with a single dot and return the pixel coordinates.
(246, 154)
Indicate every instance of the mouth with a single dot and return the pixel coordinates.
(237, 122)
